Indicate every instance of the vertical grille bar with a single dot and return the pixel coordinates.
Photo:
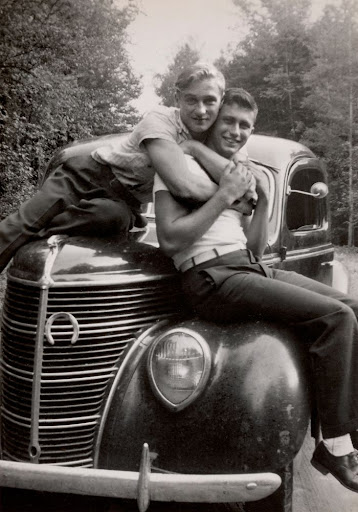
(54, 394)
(34, 446)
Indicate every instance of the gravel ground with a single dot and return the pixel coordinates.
(349, 257)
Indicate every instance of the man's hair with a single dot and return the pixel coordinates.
(199, 71)
(242, 98)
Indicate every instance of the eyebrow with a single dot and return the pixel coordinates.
(208, 97)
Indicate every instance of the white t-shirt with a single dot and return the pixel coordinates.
(226, 231)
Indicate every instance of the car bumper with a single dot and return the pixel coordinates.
(143, 486)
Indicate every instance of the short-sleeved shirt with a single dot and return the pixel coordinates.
(129, 158)
(226, 231)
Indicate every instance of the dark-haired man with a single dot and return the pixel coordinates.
(218, 252)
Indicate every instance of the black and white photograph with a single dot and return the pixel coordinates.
(178, 256)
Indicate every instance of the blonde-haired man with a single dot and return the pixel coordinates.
(101, 194)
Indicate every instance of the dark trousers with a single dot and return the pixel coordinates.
(233, 287)
(81, 197)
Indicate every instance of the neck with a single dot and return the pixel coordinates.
(201, 137)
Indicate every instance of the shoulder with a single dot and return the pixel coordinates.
(162, 115)
(159, 123)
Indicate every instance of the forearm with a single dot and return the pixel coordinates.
(213, 163)
(169, 161)
(257, 233)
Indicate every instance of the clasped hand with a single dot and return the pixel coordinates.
(261, 180)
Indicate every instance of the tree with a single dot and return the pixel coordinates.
(64, 75)
(165, 87)
(332, 98)
(271, 61)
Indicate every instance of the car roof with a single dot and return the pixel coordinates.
(270, 151)
(276, 152)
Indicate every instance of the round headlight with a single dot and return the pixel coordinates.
(179, 367)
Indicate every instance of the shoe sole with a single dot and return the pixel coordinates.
(322, 469)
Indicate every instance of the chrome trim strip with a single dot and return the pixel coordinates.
(78, 284)
(45, 282)
(79, 380)
(307, 253)
(9, 369)
(124, 484)
(63, 426)
(54, 243)
(143, 488)
(269, 260)
(34, 445)
(79, 419)
(124, 375)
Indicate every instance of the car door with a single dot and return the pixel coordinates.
(305, 245)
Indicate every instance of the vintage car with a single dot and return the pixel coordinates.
(112, 387)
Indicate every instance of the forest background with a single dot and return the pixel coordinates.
(66, 74)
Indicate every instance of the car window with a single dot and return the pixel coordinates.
(305, 212)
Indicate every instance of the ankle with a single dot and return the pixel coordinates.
(339, 446)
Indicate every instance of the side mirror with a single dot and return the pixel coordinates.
(318, 190)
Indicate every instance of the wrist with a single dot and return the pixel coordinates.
(226, 196)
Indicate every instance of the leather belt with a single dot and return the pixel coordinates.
(208, 255)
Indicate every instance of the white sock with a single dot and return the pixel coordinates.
(339, 446)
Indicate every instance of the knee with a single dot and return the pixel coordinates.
(112, 216)
(347, 313)
(353, 304)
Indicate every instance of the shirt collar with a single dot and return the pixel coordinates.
(181, 126)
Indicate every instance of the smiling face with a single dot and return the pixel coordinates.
(199, 104)
(231, 130)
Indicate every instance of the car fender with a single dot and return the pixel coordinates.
(252, 415)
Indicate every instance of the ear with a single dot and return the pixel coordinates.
(176, 97)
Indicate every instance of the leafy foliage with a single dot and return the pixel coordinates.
(165, 88)
(270, 63)
(64, 75)
(304, 77)
(332, 99)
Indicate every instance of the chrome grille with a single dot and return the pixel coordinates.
(74, 377)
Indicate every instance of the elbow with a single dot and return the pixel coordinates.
(182, 192)
(169, 247)
(191, 193)
(257, 250)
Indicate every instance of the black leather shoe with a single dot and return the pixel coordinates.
(345, 468)
(140, 221)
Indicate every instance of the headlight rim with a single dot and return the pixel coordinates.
(207, 358)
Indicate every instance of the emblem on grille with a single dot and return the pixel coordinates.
(62, 315)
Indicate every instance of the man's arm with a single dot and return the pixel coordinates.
(178, 227)
(256, 227)
(213, 163)
(169, 161)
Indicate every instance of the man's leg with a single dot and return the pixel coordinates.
(78, 178)
(315, 286)
(329, 326)
(56, 194)
(96, 217)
